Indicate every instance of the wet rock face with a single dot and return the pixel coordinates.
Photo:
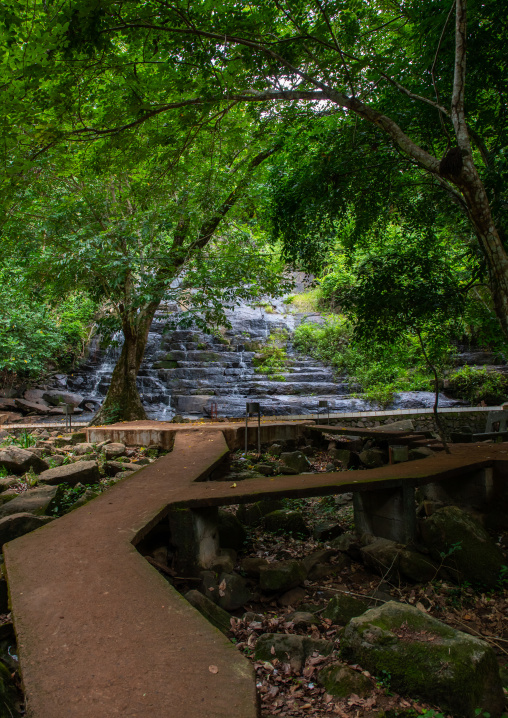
(187, 371)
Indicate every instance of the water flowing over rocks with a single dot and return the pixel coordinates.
(187, 372)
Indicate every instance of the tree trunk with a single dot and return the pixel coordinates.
(123, 402)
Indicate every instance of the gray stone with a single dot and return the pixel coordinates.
(34, 501)
(416, 566)
(454, 537)
(114, 449)
(84, 448)
(316, 645)
(426, 659)
(403, 425)
(232, 591)
(82, 472)
(32, 407)
(56, 460)
(327, 531)
(372, 458)
(342, 608)
(287, 648)
(12, 527)
(264, 469)
(302, 619)
(112, 468)
(343, 455)
(56, 397)
(296, 460)
(282, 575)
(7, 481)
(383, 556)
(286, 522)
(19, 461)
(252, 514)
(252, 566)
(275, 450)
(213, 613)
(342, 681)
(292, 597)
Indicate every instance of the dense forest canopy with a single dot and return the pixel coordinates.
(330, 121)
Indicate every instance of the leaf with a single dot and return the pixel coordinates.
(213, 669)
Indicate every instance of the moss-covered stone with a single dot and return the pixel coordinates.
(469, 552)
(288, 648)
(213, 613)
(342, 608)
(426, 659)
(282, 575)
(341, 681)
(252, 514)
(287, 522)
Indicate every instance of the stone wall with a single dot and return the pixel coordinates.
(454, 421)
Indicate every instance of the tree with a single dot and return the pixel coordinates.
(137, 236)
(409, 287)
(400, 68)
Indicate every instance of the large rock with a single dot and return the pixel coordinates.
(232, 591)
(114, 449)
(286, 522)
(426, 659)
(342, 608)
(467, 551)
(295, 460)
(82, 472)
(341, 681)
(373, 458)
(19, 461)
(31, 407)
(282, 575)
(55, 397)
(11, 527)
(34, 501)
(389, 558)
(289, 648)
(252, 514)
(213, 613)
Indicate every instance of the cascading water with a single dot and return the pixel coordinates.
(186, 371)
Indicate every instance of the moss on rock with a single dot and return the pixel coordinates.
(426, 659)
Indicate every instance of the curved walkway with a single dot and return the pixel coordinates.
(102, 634)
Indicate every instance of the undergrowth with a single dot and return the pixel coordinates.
(376, 371)
(474, 384)
(272, 357)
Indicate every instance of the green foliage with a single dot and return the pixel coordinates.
(372, 368)
(25, 440)
(272, 357)
(36, 332)
(474, 384)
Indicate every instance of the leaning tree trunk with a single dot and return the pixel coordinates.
(123, 402)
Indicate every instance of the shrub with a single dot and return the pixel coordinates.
(476, 385)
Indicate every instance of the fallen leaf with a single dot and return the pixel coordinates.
(213, 669)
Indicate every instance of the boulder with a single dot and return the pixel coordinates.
(12, 527)
(372, 458)
(34, 501)
(282, 575)
(264, 469)
(292, 597)
(252, 514)
(345, 457)
(232, 591)
(341, 681)
(275, 450)
(295, 460)
(302, 619)
(318, 557)
(31, 407)
(8, 495)
(84, 448)
(55, 397)
(82, 472)
(416, 566)
(19, 461)
(231, 532)
(468, 553)
(213, 613)
(327, 531)
(252, 566)
(6, 482)
(288, 648)
(342, 608)
(112, 468)
(286, 522)
(426, 659)
(114, 449)
(382, 555)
